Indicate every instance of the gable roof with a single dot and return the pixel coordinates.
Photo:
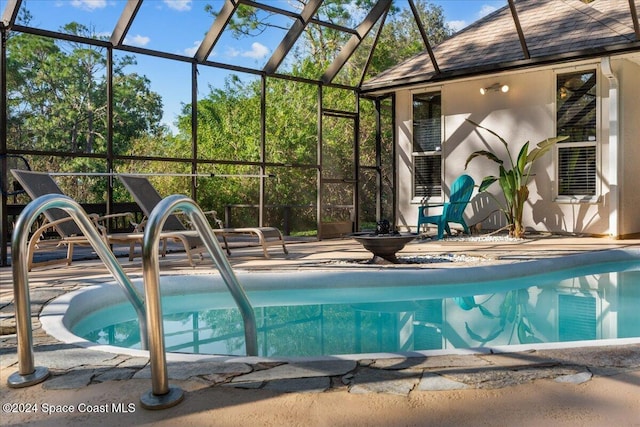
(554, 31)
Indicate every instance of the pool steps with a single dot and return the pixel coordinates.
(161, 394)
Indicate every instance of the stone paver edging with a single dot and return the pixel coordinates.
(76, 368)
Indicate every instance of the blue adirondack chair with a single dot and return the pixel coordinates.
(452, 210)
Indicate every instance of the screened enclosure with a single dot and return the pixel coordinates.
(256, 109)
(276, 135)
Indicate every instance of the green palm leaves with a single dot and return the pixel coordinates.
(514, 180)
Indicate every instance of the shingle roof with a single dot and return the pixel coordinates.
(554, 30)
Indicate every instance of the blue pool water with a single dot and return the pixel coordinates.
(592, 302)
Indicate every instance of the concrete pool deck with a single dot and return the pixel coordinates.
(571, 386)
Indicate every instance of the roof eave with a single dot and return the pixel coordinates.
(448, 75)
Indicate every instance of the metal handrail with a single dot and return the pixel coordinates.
(161, 394)
(28, 374)
(150, 315)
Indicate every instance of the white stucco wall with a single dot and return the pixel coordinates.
(628, 73)
(526, 113)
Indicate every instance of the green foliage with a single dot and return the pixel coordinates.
(57, 103)
(401, 38)
(291, 122)
(291, 110)
(514, 180)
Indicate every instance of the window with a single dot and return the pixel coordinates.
(576, 117)
(427, 143)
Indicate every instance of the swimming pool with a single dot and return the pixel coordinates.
(587, 298)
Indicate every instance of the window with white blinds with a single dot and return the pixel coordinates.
(577, 171)
(576, 103)
(427, 142)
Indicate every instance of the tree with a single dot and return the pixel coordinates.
(400, 38)
(57, 102)
(226, 131)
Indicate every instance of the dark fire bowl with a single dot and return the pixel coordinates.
(384, 245)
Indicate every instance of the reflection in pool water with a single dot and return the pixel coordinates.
(599, 302)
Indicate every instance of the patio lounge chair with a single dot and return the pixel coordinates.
(148, 197)
(453, 210)
(12, 188)
(37, 184)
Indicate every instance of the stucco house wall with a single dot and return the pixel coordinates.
(526, 112)
(629, 79)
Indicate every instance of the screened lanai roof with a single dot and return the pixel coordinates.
(204, 31)
(522, 32)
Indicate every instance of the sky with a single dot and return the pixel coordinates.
(178, 27)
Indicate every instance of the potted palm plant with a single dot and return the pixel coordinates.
(513, 178)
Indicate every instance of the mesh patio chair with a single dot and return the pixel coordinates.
(38, 184)
(148, 197)
(9, 185)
